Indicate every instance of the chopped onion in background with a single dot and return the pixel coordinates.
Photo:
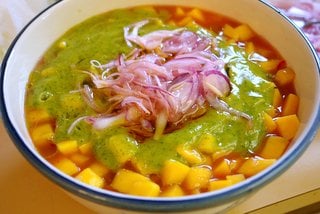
(305, 14)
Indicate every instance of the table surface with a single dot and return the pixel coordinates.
(24, 190)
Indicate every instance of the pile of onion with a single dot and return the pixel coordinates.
(306, 15)
(170, 77)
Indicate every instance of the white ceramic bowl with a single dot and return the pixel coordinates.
(40, 33)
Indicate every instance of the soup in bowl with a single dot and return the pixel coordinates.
(155, 107)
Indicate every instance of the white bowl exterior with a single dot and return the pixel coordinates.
(54, 22)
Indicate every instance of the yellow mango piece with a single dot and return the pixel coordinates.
(253, 166)
(219, 154)
(207, 144)
(192, 156)
(67, 147)
(42, 135)
(290, 105)
(186, 21)
(86, 148)
(235, 164)
(48, 71)
(172, 191)
(287, 126)
(284, 76)
(72, 101)
(235, 178)
(270, 124)
(173, 172)
(88, 176)
(197, 178)
(271, 65)
(99, 169)
(274, 147)
(130, 182)
(240, 33)
(67, 166)
(219, 184)
(277, 98)
(122, 147)
(38, 116)
(207, 160)
(272, 112)
(179, 11)
(196, 14)
(79, 159)
(249, 48)
(243, 32)
(222, 169)
(229, 31)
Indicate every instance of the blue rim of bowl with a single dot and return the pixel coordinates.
(181, 204)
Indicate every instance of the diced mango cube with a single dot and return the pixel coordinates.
(186, 21)
(277, 98)
(270, 124)
(284, 76)
(67, 147)
(287, 126)
(274, 147)
(173, 172)
(197, 178)
(207, 144)
(196, 14)
(72, 101)
(219, 154)
(66, 166)
(99, 169)
(270, 66)
(48, 71)
(253, 166)
(192, 156)
(122, 147)
(130, 182)
(290, 105)
(229, 31)
(38, 116)
(179, 11)
(235, 178)
(240, 33)
(249, 48)
(235, 164)
(86, 148)
(222, 169)
(219, 184)
(88, 176)
(244, 32)
(42, 135)
(172, 191)
(207, 160)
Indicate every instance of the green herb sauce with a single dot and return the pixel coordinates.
(101, 38)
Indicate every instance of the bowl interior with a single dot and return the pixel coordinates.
(265, 20)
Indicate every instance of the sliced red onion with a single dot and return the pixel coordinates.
(223, 106)
(134, 100)
(73, 125)
(105, 122)
(216, 82)
(149, 41)
(306, 14)
(149, 90)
